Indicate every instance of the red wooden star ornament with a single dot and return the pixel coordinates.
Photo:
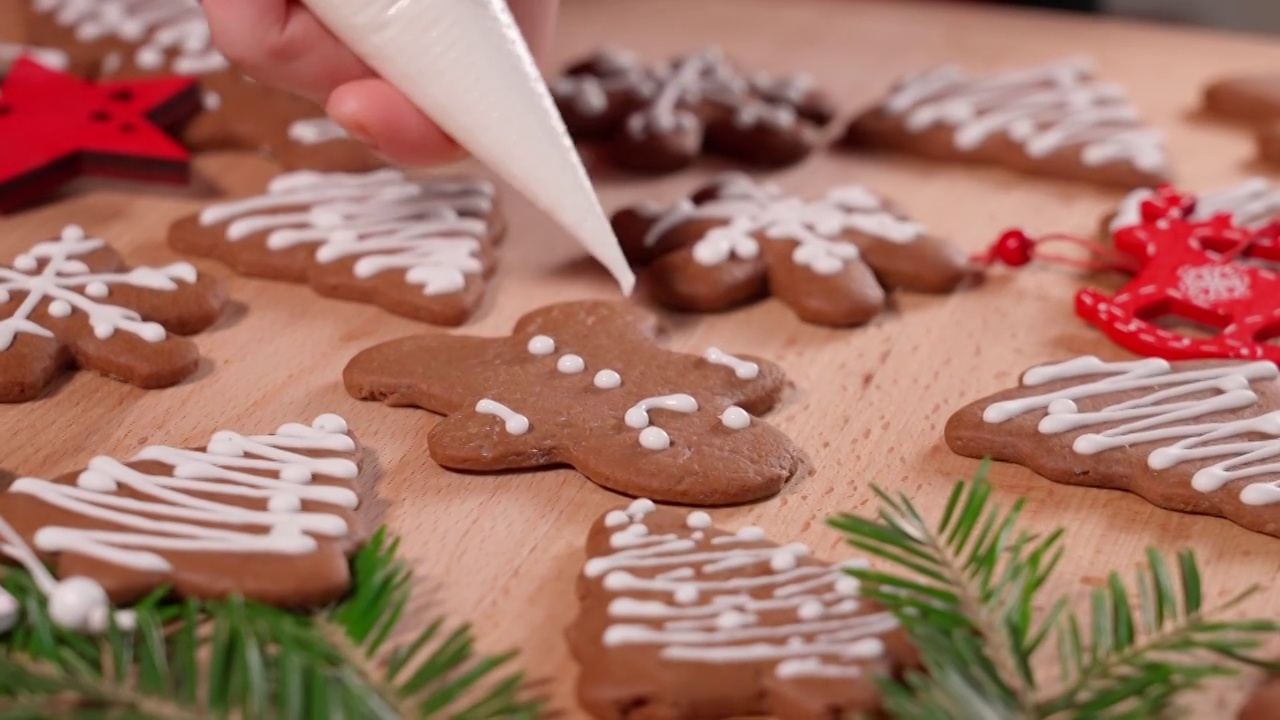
(56, 127)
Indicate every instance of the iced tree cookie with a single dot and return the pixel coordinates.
(71, 302)
(422, 248)
(1197, 437)
(735, 241)
(268, 517)
(585, 384)
(1054, 120)
(688, 621)
(661, 118)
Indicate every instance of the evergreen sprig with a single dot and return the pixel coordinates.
(970, 593)
(238, 659)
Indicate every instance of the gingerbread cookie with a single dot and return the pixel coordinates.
(1264, 702)
(268, 517)
(422, 248)
(1254, 204)
(144, 38)
(681, 620)
(735, 241)
(660, 119)
(584, 384)
(55, 127)
(72, 302)
(1251, 98)
(1199, 437)
(1053, 120)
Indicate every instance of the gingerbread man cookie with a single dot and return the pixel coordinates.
(268, 517)
(688, 621)
(1053, 120)
(584, 384)
(735, 241)
(1200, 437)
(72, 302)
(144, 38)
(660, 119)
(422, 248)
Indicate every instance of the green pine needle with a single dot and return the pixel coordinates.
(238, 659)
(966, 590)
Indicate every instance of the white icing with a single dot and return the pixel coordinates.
(750, 213)
(53, 272)
(1177, 411)
(744, 369)
(680, 593)
(10, 612)
(607, 380)
(571, 364)
(432, 229)
(316, 131)
(1252, 204)
(51, 58)
(541, 345)
(169, 35)
(735, 418)
(654, 438)
(513, 422)
(1043, 109)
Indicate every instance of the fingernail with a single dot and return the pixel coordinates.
(357, 132)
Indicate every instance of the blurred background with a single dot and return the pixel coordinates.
(1247, 15)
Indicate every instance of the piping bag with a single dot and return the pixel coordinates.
(466, 65)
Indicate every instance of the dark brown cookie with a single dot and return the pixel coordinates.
(268, 517)
(1053, 120)
(736, 241)
(585, 384)
(422, 248)
(660, 119)
(1197, 437)
(1251, 98)
(683, 621)
(1264, 703)
(71, 302)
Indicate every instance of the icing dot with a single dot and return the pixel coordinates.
(571, 364)
(25, 263)
(735, 418)
(733, 619)
(654, 438)
(637, 529)
(284, 503)
(641, 507)
(295, 474)
(97, 289)
(608, 380)
(847, 586)
(9, 611)
(616, 518)
(541, 345)
(79, 604)
(782, 560)
(4, 296)
(73, 233)
(95, 481)
(685, 594)
(59, 308)
(331, 423)
(751, 533)
(698, 519)
(811, 610)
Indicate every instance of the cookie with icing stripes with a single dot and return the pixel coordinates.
(1054, 119)
(1198, 437)
(586, 384)
(688, 621)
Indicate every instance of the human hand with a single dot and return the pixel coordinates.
(282, 44)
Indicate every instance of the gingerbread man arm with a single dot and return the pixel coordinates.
(398, 374)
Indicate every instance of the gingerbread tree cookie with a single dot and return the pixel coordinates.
(735, 241)
(1054, 119)
(144, 38)
(422, 248)
(661, 118)
(268, 517)
(72, 302)
(584, 384)
(688, 621)
(1199, 437)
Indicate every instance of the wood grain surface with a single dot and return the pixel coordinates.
(868, 405)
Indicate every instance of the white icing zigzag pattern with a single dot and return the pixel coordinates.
(175, 511)
(159, 29)
(1044, 109)
(429, 229)
(750, 210)
(1178, 411)
(712, 613)
(67, 285)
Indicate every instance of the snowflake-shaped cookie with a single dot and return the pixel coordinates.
(71, 302)
(661, 118)
(735, 241)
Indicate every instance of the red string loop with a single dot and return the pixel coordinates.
(1015, 248)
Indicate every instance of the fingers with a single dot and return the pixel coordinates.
(537, 20)
(280, 43)
(378, 114)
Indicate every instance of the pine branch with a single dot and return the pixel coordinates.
(967, 590)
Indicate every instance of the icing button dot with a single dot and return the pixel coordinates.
(60, 308)
(608, 380)
(331, 423)
(616, 518)
(698, 520)
(735, 418)
(641, 507)
(79, 604)
(571, 364)
(97, 289)
(782, 560)
(541, 345)
(96, 481)
(654, 438)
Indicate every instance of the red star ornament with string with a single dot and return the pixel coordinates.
(56, 127)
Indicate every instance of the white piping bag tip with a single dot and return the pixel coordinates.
(466, 65)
